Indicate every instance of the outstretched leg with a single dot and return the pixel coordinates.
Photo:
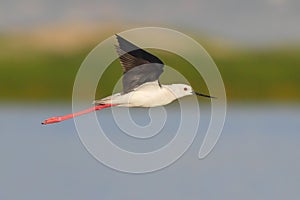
(69, 116)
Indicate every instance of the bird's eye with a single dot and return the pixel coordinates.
(185, 89)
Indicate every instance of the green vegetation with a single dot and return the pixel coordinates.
(262, 75)
(30, 73)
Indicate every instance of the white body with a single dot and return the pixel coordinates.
(149, 94)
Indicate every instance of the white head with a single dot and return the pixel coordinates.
(182, 90)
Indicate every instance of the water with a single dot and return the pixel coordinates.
(257, 157)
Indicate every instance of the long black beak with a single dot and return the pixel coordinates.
(203, 95)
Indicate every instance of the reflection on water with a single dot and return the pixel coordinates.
(257, 157)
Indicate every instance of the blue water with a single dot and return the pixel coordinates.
(257, 157)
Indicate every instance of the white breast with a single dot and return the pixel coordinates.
(150, 95)
(147, 95)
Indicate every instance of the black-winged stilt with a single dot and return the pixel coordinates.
(141, 86)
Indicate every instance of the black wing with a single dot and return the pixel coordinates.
(138, 65)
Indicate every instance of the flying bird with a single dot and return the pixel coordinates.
(141, 85)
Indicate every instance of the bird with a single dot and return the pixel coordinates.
(140, 80)
(141, 85)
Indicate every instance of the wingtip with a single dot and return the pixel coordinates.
(118, 36)
(118, 39)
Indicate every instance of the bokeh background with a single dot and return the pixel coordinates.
(256, 46)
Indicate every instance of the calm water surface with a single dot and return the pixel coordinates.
(257, 157)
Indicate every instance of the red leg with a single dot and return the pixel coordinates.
(69, 116)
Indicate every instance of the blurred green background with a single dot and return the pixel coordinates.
(41, 50)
